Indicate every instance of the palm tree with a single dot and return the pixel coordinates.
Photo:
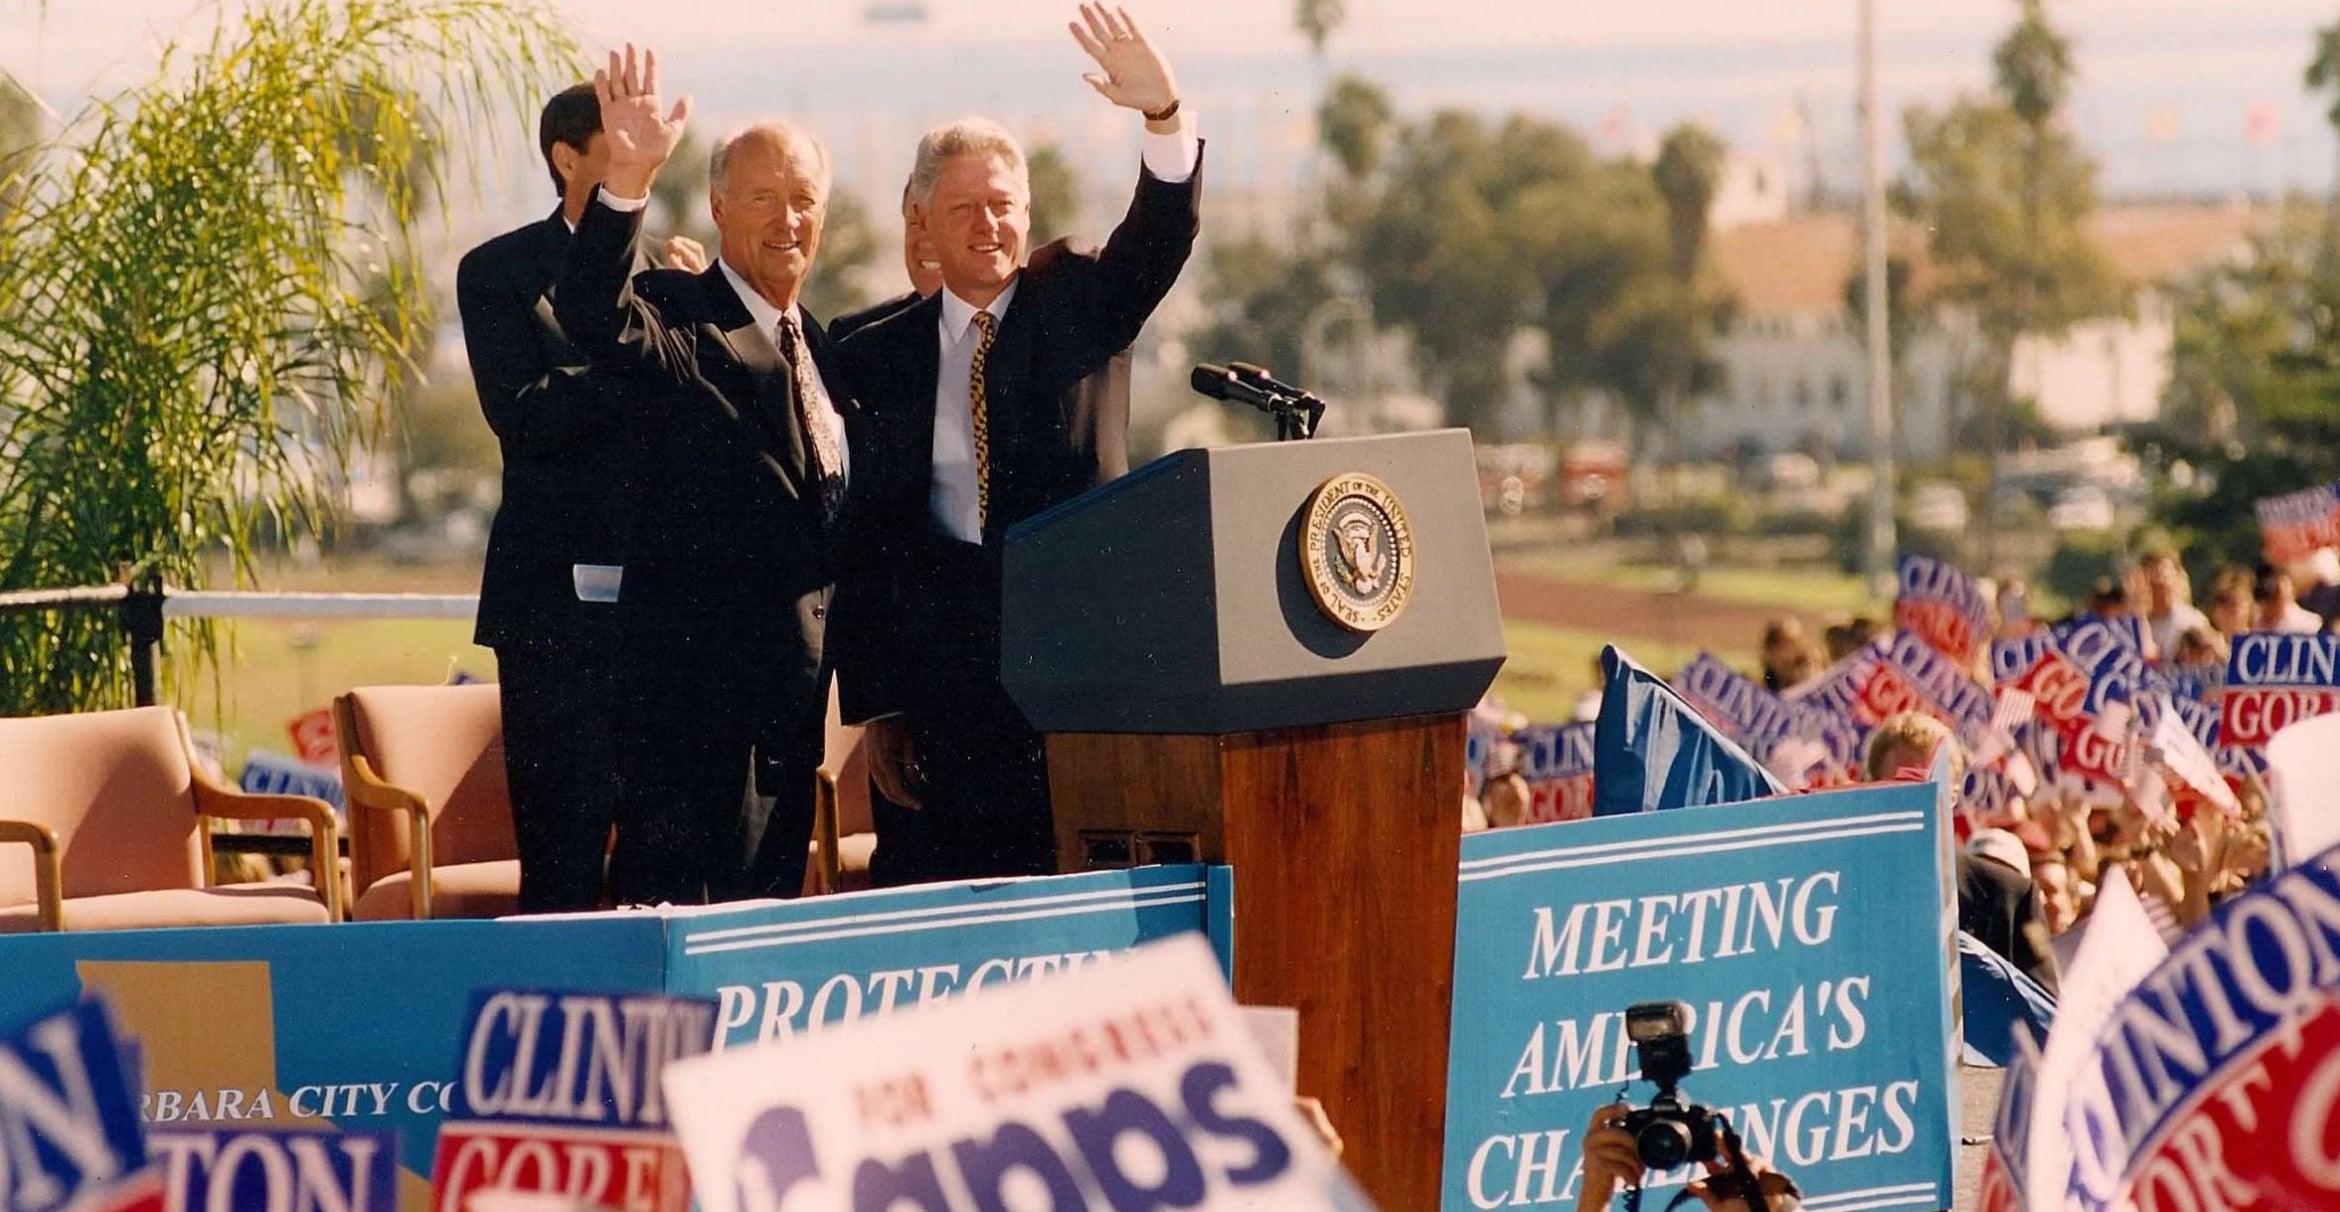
(206, 294)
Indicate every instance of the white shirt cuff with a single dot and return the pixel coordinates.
(1172, 157)
(623, 206)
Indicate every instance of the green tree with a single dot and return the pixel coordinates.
(2254, 375)
(1319, 20)
(1353, 123)
(2005, 192)
(205, 291)
(1056, 193)
(1259, 295)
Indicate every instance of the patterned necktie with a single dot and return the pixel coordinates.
(977, 398)
(828, 465)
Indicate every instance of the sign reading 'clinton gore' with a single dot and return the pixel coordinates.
(776, 971)
(2213, 1082)
(2273, 679)
(1810, 937)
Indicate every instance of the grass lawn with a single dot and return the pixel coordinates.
(1816, 590)
(1551, 666)
(279, 669)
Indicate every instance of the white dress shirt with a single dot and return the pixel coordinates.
(952, 501)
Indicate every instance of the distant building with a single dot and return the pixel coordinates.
(1793, 371)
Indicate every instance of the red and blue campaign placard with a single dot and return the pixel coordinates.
(558, 1094)
(1557, 762)
(2212, 1083)
(1943, 606)
(69, 1133)
(2273, 679)
(2294, 525)
(276, 1169)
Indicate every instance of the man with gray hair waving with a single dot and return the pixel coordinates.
(747, 441)
(977, 423)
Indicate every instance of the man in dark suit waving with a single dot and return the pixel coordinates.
(552, 567)
(745, 446)
(978, 422)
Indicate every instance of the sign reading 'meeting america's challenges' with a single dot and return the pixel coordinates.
(1810, 936)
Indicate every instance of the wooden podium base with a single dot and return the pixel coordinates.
(1344, 839)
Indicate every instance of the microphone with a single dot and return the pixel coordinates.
(1220, 383)
(1259, 376)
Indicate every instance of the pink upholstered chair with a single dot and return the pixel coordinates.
(844, 831)
(430, 816)
(105, 825)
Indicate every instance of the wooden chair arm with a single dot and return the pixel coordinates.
(48, 867)
(830, 874)
(218, 803)
(364, 788)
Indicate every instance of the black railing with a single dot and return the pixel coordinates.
(141, 609)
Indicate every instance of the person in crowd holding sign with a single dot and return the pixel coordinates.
(554, 554)
(2169, 601)
(747, 447)
(2279, 608)
(979, 423)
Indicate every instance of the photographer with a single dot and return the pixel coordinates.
(1612, 1162)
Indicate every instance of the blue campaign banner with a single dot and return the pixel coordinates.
(1810, 936)
(1653, 751)
(351, 1027)
(276, 1169)
(778, 969)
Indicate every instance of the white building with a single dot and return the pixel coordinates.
(1794, 377)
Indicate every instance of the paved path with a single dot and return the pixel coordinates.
(1639, 614)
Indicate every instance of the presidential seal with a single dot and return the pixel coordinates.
(1357, 552)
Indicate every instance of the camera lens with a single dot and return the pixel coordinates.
(1664, 1145)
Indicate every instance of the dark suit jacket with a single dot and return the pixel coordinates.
(852, 322)
(921, 611)
(1999, 906)
(561, 425)
(729, 569)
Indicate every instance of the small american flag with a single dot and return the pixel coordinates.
(1998, 740)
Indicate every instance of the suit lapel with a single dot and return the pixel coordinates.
(920, 357)
(772, 408)
(1006, 378)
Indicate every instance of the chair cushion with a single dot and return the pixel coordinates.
(853, 851)
(459, 890)
(116, 789)
(445, 744)
(229, 905)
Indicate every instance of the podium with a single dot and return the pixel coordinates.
(1261, 656)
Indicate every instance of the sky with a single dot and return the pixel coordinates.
(2193, 97)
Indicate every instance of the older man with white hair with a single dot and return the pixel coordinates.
(746, 444)
(977, 422)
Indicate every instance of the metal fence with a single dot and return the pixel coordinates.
(142, 610)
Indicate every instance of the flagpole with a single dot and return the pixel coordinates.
(1881, 537)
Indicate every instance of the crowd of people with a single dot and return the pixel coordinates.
(2031, 860)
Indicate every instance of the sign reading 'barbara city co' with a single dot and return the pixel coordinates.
(1810, 936)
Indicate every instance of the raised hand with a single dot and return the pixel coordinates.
(640, 136)
(1134, 75)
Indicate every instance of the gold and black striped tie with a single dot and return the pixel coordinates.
(976, 399)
